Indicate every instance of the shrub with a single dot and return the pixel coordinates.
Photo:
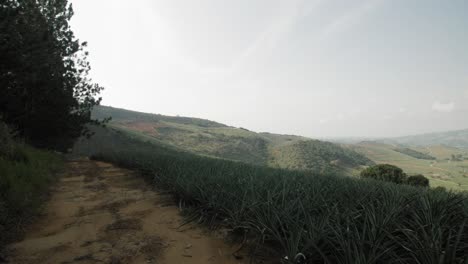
(418, 180)
(6, 140)
(385, 172)
(9, 149)
(23, 186)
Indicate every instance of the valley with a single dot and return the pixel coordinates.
(213, 139)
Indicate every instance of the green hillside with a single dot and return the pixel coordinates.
(441, 172)
(208, 138)
(326, 218)
(310, 154)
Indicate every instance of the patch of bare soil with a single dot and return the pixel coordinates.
(99, 213)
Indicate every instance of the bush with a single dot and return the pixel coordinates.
(23, 186)
(9, 149)
(418, 180)
(6, 140)
(385, 172)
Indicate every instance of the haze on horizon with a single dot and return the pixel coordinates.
(329, 68)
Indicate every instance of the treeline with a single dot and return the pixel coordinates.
(300, 216)
(415, 154)
(46, 94)
(46, 99)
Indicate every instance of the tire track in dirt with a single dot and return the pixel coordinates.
(99, 213)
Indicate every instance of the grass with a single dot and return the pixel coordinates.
(441, 172)
(24, 183)
(316, 156)
(327, 218)
(207, 138)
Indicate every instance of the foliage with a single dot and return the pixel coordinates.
(318, 156)
(456, 157)
(415, 154)
(385, 172)
(46, 92)
(8, 147)
(121, 115)
(6, 140)
(452, 175)
(212, 139)
(417, 180)
(328, 218)
(23, 184)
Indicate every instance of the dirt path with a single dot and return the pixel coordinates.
(99, 213)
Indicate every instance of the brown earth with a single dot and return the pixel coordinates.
(99, 213)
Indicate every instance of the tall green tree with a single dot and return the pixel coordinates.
(385, 172)
(46, 92)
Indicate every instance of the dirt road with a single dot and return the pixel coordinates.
(99, 213)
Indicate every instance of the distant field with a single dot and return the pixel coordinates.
(441, 172)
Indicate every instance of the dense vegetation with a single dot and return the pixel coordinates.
(385, 172)
(415, 154)
(328, 218)
(417, 180)
(46, 97)
(317, 156)
(46, 94)
(212, 139)
(25, 175)
(393, 174)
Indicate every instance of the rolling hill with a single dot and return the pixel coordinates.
(433, 162)
(213, 139)
(457, 139)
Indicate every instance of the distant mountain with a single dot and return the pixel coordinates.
(214, 139)
(457, 139)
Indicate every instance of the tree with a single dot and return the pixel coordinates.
(47, 95)
(418, 180)
(385, 172)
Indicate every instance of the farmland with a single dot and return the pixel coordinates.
(441, 172)
(292, 214)
(213, 139)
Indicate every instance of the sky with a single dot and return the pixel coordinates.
(317, 68)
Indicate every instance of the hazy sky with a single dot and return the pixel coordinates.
(315, 68)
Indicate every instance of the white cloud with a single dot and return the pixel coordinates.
(443, 107)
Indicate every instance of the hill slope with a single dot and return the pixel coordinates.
(457, 139)
(440, 169)
(209, 138)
